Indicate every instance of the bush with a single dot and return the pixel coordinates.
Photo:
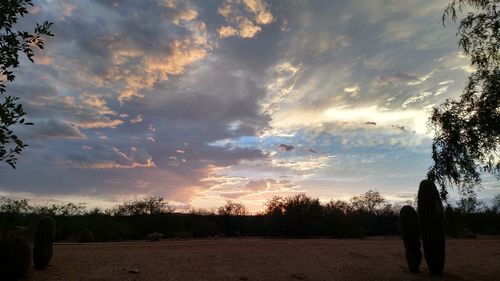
(155, 236)
(85, 236)
(468, 234)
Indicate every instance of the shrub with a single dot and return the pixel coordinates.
(468, 234)
(85, 236)
(155, 236)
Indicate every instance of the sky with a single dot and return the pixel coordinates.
(201, 102)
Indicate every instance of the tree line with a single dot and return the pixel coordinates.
(301, 215)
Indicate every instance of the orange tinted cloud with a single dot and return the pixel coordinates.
(245, 18)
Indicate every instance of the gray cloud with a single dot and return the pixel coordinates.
(55, 129)
(396, 78)
(284, 147)
(402, 128)
(111, 67)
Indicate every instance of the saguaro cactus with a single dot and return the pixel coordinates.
(430, 214)
(411, 237)
(15, 257)
(45, 233)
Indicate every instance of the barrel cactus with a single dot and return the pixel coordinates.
(430, 214)
(15, 257)
(45, 233)
(411, 237)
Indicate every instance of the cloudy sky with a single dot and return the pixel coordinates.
(206, 101)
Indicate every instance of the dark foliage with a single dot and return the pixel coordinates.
(337, 218)
(155, 236)
(467, 130)
(302, 215)
(147, 206)
(367, 202)
(13, 42)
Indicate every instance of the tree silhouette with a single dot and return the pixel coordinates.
(467, 130)
(12, 42)
(151, 205)
(275, 206)
(496, 203)
(8, 205)
(368, 201)
(302, 214)
(230, 215)
(232, 209)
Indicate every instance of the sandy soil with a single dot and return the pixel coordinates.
(264, 259)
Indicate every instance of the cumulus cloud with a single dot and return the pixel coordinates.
(157, 67)
(260, 10)
(184, 12)
(269, 185)
(104, 73)
(85, 111)
(245, 18)
(128, 56)
(248, 29)
(227, 31)
(352, 90)
(136, 119)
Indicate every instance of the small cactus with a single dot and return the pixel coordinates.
(411, 237)
(431, 217)
(43, 239)
(15, 257)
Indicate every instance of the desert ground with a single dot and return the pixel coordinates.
(264, 259)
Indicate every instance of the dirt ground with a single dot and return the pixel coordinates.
(265, 259)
